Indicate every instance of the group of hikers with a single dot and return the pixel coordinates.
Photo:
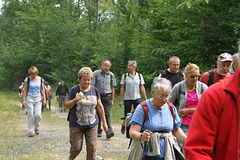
(160, 127)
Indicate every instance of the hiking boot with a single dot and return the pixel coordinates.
(110, 134)
(123, 129)
(37, 131)
(30, 135)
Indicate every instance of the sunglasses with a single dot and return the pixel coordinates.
(193, 76)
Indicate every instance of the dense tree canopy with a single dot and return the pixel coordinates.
(61, 36)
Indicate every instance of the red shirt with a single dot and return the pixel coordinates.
(217, 77)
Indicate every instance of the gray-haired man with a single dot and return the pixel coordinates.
(105, 82)
(131, 85)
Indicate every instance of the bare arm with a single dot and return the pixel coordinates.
(69, 103)
(24, 94)
(113, 95)
(121, 95)
(179, 134)
(43, 92)
(186, 111)
(142, 88)
(136, 135)
(101, 113)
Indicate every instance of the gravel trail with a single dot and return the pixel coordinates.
(54, 140)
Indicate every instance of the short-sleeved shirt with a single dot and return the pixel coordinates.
(132, 88)
(173, 77)
(217, 77)
(84, 114)
(34, 87)
(103, 82)
(159, 120)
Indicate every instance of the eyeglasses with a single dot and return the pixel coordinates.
(164, 96)
(193, 76)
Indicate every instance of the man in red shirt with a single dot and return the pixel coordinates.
(224, 64)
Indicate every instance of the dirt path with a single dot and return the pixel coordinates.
(53, 140)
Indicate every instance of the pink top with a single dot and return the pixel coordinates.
(192, 101)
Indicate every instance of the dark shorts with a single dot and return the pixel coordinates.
(128, 105)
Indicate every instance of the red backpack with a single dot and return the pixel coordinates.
(145, 111)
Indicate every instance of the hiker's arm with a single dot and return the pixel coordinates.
(101, 113)
(160, 76)
(186, 111)
(179, 134)
(136, 135)
(121, 95)
(113, 95)
(142, 88)
(43, 94)
(69, 103)
(24, 94)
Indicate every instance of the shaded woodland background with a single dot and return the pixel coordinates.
(61, 36)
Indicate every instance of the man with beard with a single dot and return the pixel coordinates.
(224, 64)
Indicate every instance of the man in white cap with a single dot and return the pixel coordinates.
(224, 64)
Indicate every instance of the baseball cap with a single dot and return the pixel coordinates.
(225, 57)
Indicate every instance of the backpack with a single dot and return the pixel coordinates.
(211, 77)
(145, 111)
(28, 81)
(125, 75)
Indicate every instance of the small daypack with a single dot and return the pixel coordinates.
(145, 111)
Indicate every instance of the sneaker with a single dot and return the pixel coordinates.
(30, 135)
(123, 129)
(109, 135)
(37, 132)
(99, 135)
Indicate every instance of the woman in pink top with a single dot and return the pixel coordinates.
(187, 93)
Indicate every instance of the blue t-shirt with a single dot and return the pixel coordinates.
(159, 120)
(84, 114)
(34, 87)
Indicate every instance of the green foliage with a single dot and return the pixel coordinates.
(60, 37)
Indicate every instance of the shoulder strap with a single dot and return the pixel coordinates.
(171, 108)
(140, 81)
(125, 75)
(28, 81)
(211, 77)
(145, 110)
(163, 73)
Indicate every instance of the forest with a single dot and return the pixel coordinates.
(61, 36)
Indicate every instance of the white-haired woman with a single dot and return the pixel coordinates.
(158, 129)
(84, 102)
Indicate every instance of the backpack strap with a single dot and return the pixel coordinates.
(28, 81)
(145, 110)
(211, 77)
(171, 106)
(125, 75)
(163, 73)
